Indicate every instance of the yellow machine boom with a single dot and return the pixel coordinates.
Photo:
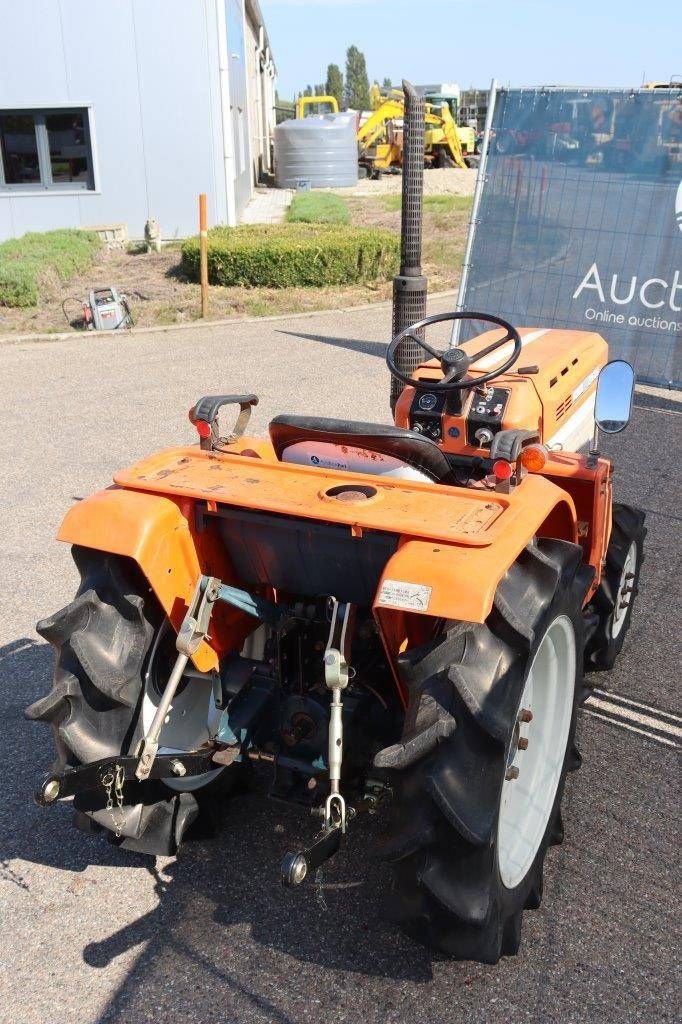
(377, 134)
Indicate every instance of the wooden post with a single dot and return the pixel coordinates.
(203, 254)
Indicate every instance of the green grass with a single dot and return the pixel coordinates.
(257, 307)
(433, 204)
(26, 261)
(136, 248)
(295, 255)
(318, 208)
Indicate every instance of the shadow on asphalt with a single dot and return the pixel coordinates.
(30, 835)
(368, 348)
(217, 886)
(233, 876)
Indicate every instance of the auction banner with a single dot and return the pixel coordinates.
(580, 220)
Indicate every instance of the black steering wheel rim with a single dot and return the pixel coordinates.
(461, 383)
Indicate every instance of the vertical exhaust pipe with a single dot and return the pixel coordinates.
(409, 287)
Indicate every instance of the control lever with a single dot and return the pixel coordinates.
(204, 416)
(192, 632)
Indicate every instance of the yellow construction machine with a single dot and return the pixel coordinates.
(318, 103)
(380, 137)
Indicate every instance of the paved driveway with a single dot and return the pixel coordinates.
(89, 933)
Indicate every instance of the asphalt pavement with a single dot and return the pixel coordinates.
(92, 934)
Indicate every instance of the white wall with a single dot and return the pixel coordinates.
(261, 91)
(149, 71)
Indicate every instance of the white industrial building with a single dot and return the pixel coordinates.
(112, 113)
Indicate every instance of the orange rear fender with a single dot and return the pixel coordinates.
(459, 582)
(155, 532)
(425, 581)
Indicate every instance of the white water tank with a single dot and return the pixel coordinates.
(319, 151)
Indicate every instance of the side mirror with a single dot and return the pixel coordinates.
(615, 389)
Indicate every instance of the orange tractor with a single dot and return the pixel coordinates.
(361, 615)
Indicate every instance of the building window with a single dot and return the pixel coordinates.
(45, 149)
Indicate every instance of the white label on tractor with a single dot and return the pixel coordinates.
(405, 595)
(584, 385)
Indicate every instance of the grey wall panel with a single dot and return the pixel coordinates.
(149, 69)
(217, 196)
(40, 214)
(177, 116)
(111, 85)
(6, 222)
(236, 45)
(31, 58)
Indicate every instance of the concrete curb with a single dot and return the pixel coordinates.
(194, 325)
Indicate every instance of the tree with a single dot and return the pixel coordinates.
(357, 83)
(375, 98)
(284, 109)
(308, 91)
(334, 83)
(319, 89)
(386, 84)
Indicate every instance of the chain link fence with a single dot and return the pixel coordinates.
(580, 220)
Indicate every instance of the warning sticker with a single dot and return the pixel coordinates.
(405, 595)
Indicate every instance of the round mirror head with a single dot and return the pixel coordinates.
(613, 404)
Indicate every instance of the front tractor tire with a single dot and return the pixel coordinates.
(102, 689)
(614, 599)
(479, 774)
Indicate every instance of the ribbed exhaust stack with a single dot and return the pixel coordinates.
(409, 287)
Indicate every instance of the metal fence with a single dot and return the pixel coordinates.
(579, 222)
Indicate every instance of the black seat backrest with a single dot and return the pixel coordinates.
(397, 445)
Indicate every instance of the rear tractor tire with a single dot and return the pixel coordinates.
(112, 653)
(479, 774)
(614, 599)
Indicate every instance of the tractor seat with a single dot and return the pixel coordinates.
(358, 448)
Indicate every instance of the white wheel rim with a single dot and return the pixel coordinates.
(527, 800)
(624, 594)
(191, 721)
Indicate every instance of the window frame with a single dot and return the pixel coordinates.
(46, 185)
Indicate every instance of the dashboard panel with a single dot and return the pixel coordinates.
(481, 417)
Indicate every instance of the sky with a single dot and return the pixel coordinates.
(519, 42)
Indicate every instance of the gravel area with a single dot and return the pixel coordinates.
(437, 182)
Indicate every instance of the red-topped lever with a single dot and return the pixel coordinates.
(204, 416)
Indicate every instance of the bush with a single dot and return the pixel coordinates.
(318, 208)
(294, 255)
(18, 284)
(24, 262)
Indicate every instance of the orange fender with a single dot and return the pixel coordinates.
(425, 581)
(155, 532)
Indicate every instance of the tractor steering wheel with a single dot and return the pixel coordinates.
(454, 362)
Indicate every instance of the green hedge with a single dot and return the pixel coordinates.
(318, 208)
(24, 261)
(291, 255)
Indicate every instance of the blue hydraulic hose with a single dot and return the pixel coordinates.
(259, 607)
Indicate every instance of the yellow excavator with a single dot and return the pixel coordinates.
(319, 105)
(380, 138)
